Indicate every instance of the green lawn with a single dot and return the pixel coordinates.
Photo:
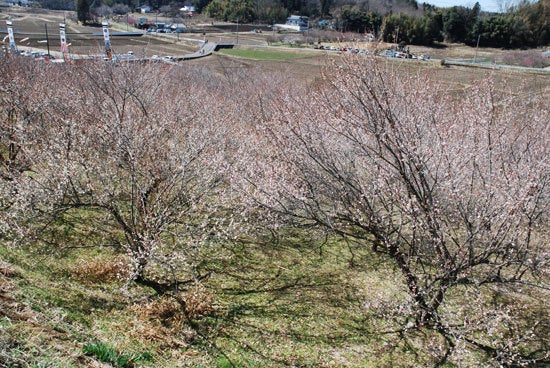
(266, 54)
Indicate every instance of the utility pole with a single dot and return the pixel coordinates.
(307, 33)
(237, 31)
(477, 46)
(397, 35)
(47, 38)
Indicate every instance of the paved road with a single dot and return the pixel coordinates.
(206, 48)
(493, 66)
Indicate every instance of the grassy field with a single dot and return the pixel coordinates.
(266, 54)
(296, 303)
(299, 300)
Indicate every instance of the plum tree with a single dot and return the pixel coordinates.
(127, 159)
(452, 189)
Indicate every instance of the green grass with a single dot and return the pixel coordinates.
(107, 354)
(295, 302)
(265, 54)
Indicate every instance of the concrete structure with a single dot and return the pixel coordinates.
(294, 23)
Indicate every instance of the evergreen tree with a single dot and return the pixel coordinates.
(536, 17)
(83, 10)
(325, 7)
(459, 21)
(201, 4)
(232, 10)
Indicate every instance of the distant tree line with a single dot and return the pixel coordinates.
(524, 25)
(400, 21)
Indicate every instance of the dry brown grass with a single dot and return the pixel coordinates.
(6, 269)
(198, 301)
(167, 320)
(8, 302)
(161, 321)
(91, 271)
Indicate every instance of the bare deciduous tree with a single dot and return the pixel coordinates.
(25, 105)
(133, 157)
(21, 104)
(453, 189)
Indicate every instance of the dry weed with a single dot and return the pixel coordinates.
(101, 270)
(165, 320)
(6, 269)
(198, 301)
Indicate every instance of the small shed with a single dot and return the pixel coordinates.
(144, 9)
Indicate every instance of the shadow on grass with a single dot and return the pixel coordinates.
(286, 303)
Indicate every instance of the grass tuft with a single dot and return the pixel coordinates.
(107, 354)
